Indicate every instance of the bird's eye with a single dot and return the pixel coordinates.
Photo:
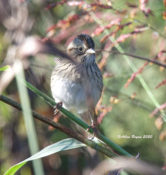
(80, 49)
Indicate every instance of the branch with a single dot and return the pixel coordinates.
(136, 56)
(99, 147)
(77, 120)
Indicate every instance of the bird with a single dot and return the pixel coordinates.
(77, 83)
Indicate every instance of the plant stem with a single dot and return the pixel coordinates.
(97, 146)
(77, 120)
(28, 118)
(132, 66)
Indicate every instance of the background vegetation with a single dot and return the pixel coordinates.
(131, 111)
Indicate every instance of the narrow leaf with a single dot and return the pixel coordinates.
(62, 145)
(4, 68)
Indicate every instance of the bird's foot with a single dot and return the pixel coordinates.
(57, 115)
(59, 105)
(95, 131)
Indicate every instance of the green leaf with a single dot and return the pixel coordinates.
(14, 168)
(4, 68)
(62, 145)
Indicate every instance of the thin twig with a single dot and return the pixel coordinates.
(132, 66)
(150, 26)
(135, 56)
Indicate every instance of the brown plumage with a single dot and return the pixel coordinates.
(78, 84)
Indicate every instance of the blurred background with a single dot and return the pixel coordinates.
(131, 111)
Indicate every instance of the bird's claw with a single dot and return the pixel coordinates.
(56, 108)
(95, 131)
(58, 105)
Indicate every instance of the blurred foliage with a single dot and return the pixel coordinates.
(139, 28)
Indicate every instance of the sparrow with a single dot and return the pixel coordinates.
(77, 83)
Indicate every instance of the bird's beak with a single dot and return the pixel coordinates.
(90, 51)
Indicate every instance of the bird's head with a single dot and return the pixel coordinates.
(81, 49)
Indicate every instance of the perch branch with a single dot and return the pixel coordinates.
(77, 120)
(99, 147)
